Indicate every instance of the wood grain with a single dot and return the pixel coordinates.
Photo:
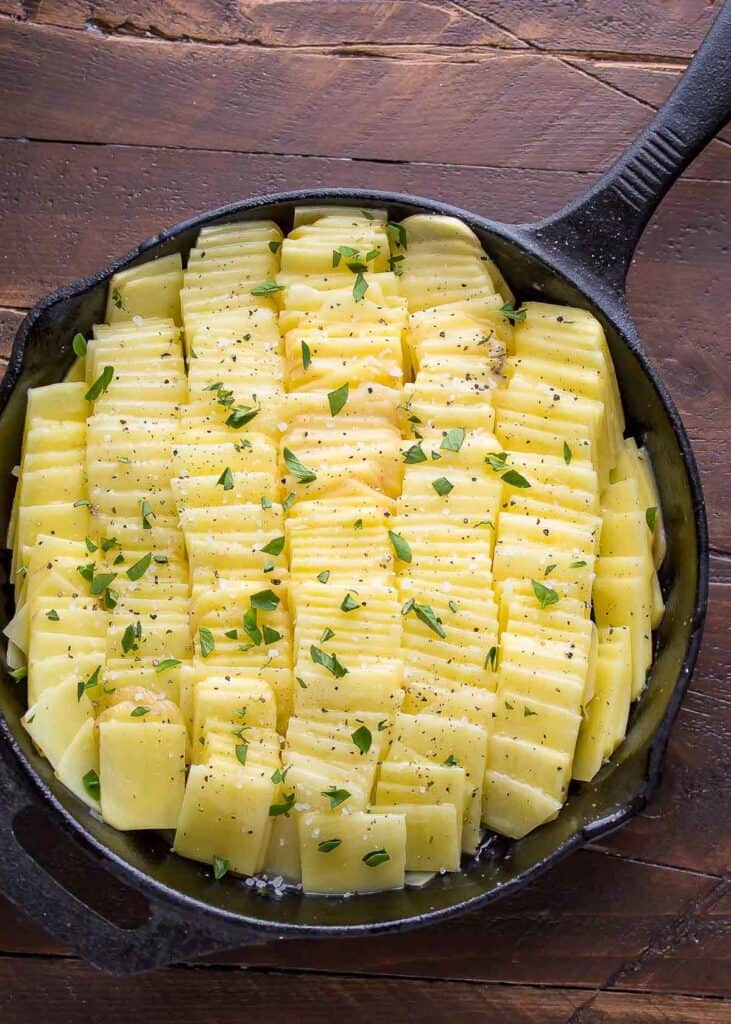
(252, 99)
(608, 27)
(143, 113)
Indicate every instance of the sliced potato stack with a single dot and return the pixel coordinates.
(238, 688)
(328, 558)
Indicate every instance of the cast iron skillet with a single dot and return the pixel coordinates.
(122, 900)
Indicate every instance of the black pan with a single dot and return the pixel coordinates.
(122, 900)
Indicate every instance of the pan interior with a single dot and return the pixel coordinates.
(42, 355)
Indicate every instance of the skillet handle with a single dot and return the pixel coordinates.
(599, 231)
(74, 896)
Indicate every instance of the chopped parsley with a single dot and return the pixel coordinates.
(567, 453)
(220, 868)
(265, 600)
(400, 546)
(79, 345)
(426, 614)
(442, 486)
(226, 480)
(376, 857)
(293, 464)
(453, 439)
(515, 316)
(267, 288)
(140, 568)
(207, 642)
(328, 845)
(90, 782)
(328, 661)
(335, 796)
(167, 663)
(100, 385)
(544, 595)
(274, 547)
(337, 399)
(414, 454)
(349, 604)
(362, 738)
(306, 355)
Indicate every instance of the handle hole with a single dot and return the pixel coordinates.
(50, 847)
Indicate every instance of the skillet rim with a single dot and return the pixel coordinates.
(614, 309)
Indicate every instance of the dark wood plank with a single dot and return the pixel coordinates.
(538, 936)
(276, 23)
(671, 957)
(72, 993)
(77, 86)
(623, 1008)
(9, 322)
(603, 26)
(113, 197)
(650, 27)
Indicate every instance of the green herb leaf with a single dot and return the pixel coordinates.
(400, 546)
(79, 345)
(241, 750)
(293, 464)
(362, 738)
(328, 845)
(265, 600)
(274, 547)
(274, 246)
(338, 398)
(91, 547)
(53, 615)
(442, 486)
(578, 565)
(426, 614)
(515, 316)
(453, 439)
(90, 782)
(327, 634)
(491, 658)
(81, 502)
(306, 355)
(266, 502)
(167, 663)
(100, 385)
(139, 712)
(220, 868)
(267, 288)
(335, 796)
(567, 454)
(349, 604)
(360, 287)
(398, 232)
(21, 672)
(372, 255)
(140, 568)
(414, 454)
(279, 776)
(102, 581)
(544, 595)
(226, 480)
(453, 607)
(514, 478)
(450, 762)
(241, 415)
(497, 461)
(527, 711)
(651, 516)
(324, 576)
(270, 635)
(368, 215)
(207, 642)
(117, 299)
(548, 570)
(375, 857)
(130, 637)
(285, 807)
(147, 514)
(328, 661)
(358, 524)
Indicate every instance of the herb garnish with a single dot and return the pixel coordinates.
(400, 546)
(100, 385)
(293, 464)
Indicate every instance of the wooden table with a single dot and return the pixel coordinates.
(120, 117)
